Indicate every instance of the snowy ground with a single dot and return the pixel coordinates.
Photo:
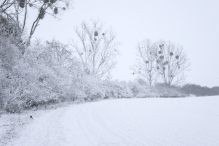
(127, 122)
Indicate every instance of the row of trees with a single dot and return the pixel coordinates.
(97, 46)
(45, 72)
(198, 90)
(38, 72)
(159, 61)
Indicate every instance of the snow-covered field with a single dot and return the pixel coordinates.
(127, 122)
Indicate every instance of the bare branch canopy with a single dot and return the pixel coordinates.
(97, 48)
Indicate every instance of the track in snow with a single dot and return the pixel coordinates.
(128, 122)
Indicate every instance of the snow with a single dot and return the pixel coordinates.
(127, 122)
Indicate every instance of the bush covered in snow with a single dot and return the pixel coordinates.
(168, 91)
(115, 89)
(45, 74)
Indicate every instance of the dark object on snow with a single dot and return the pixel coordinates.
(31, 117)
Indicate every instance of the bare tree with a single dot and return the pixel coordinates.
(166, 59)
(146, 63)
(172, 62)
(16, 11)
(97, 48)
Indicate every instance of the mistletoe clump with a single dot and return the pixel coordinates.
(55, 10)
(42, 13)
(22, 3)
(95, 33)
(53, 1)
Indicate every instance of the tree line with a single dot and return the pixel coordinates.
(37, 72)
(198, 90)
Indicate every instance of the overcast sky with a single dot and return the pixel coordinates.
(194, 24)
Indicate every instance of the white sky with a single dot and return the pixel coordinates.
(191, 23)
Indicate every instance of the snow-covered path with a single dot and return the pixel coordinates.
(128, 122)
